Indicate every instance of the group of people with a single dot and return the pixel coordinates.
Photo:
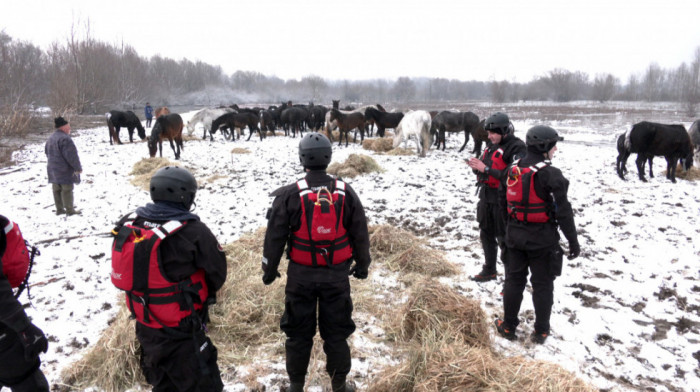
(170, 265)
(522, 205)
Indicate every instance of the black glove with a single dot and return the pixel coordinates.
(270, 276)
(34, 341)
(574, 250)
(358, 272)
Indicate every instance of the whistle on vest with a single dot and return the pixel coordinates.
(323, 201)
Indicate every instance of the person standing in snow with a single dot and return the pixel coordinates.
(63, 167)
(191, 267)
(322, 221)
(536, 205)
(148, 111)
(502, 150)
(20, 340)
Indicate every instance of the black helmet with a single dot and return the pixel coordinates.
(499, 123)
(315, 151)
(541, 138)
(175, 184)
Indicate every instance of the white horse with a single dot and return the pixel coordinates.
(415, 124)
(206, 116)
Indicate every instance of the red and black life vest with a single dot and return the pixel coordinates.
(16, 259)
(523, 202)
(321, 239)
(137, 268)
(494, 160)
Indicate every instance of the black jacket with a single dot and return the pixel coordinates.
(513, 148)
(551, 186)
(284, 218)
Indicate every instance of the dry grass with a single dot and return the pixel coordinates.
(401, 151)
(379, 145)
(215, 177)
(355, 165)
(691, 175)
(143, 170)
(240, 150)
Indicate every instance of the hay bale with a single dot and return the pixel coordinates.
(385, 240)
(379, 145)
(144, 169)
(422, 260)
(355, 165)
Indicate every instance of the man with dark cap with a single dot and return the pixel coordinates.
(535, 203)
(63, 167)
(20, 340)
(502, 150)
(321, 220)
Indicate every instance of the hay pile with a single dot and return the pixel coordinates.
(143, 170)
(355, 165)
(691, 175)
(401, 151)
(379, 145)
(240, 150)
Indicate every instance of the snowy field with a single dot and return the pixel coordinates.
(626, 314)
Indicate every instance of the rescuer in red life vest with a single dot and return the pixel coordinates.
(20, 340)
(322, 222)
(503, 149)
(185, 262)
(535, 202)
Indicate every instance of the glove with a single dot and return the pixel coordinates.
(269, 277)
(358, 272)
(574, 250)
(34, 341)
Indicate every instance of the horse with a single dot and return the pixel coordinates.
(117, 119)
(346, 122)
(447, 121)
(267, 122)
(294, 117)
(167, 126)
(236, 120)
(383, 120)
(331, 125)
(163, 110)
(415, 124)
(206, 117)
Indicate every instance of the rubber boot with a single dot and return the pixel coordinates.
(296, 387)
(58, 199)
(68, 201)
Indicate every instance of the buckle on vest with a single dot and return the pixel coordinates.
(513, 176)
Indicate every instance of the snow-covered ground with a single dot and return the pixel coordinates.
(626, 314)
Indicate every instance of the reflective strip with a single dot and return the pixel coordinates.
(172, 225)
(340, 185)
(9, 226)
(302, 185)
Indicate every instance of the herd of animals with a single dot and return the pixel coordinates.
(646, 139)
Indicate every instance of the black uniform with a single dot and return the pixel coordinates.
(170, 362)
(491, 223)
(17, 372)
(536, 246)
(307, 286)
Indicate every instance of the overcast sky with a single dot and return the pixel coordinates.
(514, 40)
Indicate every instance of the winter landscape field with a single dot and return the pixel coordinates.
(626, 314)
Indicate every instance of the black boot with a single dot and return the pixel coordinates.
(296, 387)
(343, 386)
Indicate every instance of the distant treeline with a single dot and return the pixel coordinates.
(85, 75)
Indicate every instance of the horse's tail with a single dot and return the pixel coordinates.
(398, 138)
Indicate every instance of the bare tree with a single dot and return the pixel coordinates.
(404, 89)
(499, 90)
(605, 86)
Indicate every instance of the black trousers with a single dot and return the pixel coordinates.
(332, 301)
(178, 364)
(16, 372)
(538, 263)
(491, 233)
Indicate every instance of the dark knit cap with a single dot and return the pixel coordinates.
(59, 122)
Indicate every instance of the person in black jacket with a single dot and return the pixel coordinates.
(503, 149)
(181, 357)
(536, 205)
(319, 269)
(20, 340)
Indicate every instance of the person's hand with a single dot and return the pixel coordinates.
(476, 164)
(358, 272)
(34, 341)
(270, 277)
(574, 250)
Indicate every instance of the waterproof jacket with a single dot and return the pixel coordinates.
(148, 111)
(550, 186)
(284, 218)
(63, 160)
(513, 148)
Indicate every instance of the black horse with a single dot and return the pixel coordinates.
(230, 121)
(294, 117)
(128, 119)
(468, 122)
(383, 120)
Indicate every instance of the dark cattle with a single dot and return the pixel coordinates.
(167, 126)
(128, 119)
(383, 120)
(447, 121)
(648, 139)
(230, 121)
(694, 133)
(347, 122)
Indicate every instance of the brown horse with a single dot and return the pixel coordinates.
(161, 111)
(167, 126)
(346, 122)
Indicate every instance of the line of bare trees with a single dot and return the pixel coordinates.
(85, 75)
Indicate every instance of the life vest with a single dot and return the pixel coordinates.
(137, 268)
(522, 202)
(494, 160)
(321, 238)
(16, 259)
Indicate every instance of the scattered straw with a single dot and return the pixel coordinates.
(380, 144)
(240, 150)
(355, 165)
(143, 170)
(401, 151)
(691, 175)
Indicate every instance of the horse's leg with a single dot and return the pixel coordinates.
(172, 146)
(160, 147)
(640, 165)
(131, 134)
(116, 135)
(649, 160)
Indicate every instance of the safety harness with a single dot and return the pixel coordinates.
(18, 259)
(523, 202)
(321, 239)
(494, 160)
